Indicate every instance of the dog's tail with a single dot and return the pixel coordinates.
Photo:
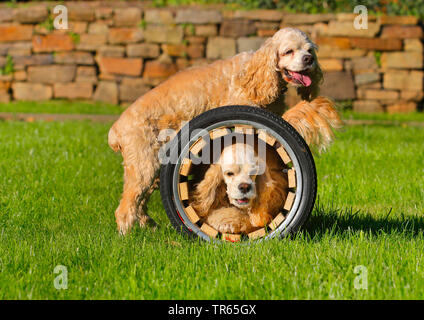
(113, 140)
(315, 121)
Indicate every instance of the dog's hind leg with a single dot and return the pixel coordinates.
(141, 169)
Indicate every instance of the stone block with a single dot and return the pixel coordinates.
(305, 18)
(331, 64)
(33, 14)
(164, 34)
(403, 20)
(245, 44)
(120, 66)
(402, 60)
(144, 50)
(237, 28)
(413, 45)
(80, 12)
(196, 51)
(414, 95)
(198, 16)
(103, 12)
(402, 32)
(403, 80)
(156, 16)
(207, 30)
(326, 51)
(112, 51)
(362, 63)
(347, 29)
(106, 91)
(91, 42)
(220, 48)
(367, 106)
(175, 50)
(15, 32)
(365, 78)
(339, 42)
(51, 73)
(6, 14)
(377, 44)
(263, 15)
(73, 90)
(98, 28)
(131, 92)
(157, 71)
(52, 42)
(31, 91)
(338, 86)
(402, 107)
(33, 60)
(125, 35)
(372, 94)
(74, 57)
(127, 17)
(20, 75)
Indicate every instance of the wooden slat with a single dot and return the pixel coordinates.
(231, 237)
(283, 154)
(211, 232)
(277, 221)
(292, 178)
(191, 214)
(289, 201)
(242, 128)
(183, 190)
(257, 234)
(185, 168)
(197, 146)
(263, 135)
(217, 133)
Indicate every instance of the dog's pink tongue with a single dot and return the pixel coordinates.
(302, 78)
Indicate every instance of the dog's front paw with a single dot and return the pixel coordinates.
(227, 228)
(260, 219)
(146, 221)
(124, 226)
(125, 219)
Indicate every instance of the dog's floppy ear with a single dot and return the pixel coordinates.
(311, 92)
(210, 192)
(260, 79)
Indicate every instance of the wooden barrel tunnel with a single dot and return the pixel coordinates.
(185, 175)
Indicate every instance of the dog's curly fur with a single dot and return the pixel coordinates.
(249, 78)
(210, 198)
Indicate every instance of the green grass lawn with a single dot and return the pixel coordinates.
(60, 184)
(60, 106)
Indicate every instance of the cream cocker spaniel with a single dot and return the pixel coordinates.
(242, 191)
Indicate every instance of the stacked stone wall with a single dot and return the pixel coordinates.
(116, 51)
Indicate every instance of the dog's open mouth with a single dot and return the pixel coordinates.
(242, 201)
(300, 77)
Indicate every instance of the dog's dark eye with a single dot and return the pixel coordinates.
(230, 173)
(288, 52)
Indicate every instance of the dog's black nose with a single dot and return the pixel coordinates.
(245, 187)
(308, 59)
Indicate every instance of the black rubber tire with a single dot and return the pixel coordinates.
(267, 119)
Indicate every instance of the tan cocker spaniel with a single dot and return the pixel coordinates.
(249, 78)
